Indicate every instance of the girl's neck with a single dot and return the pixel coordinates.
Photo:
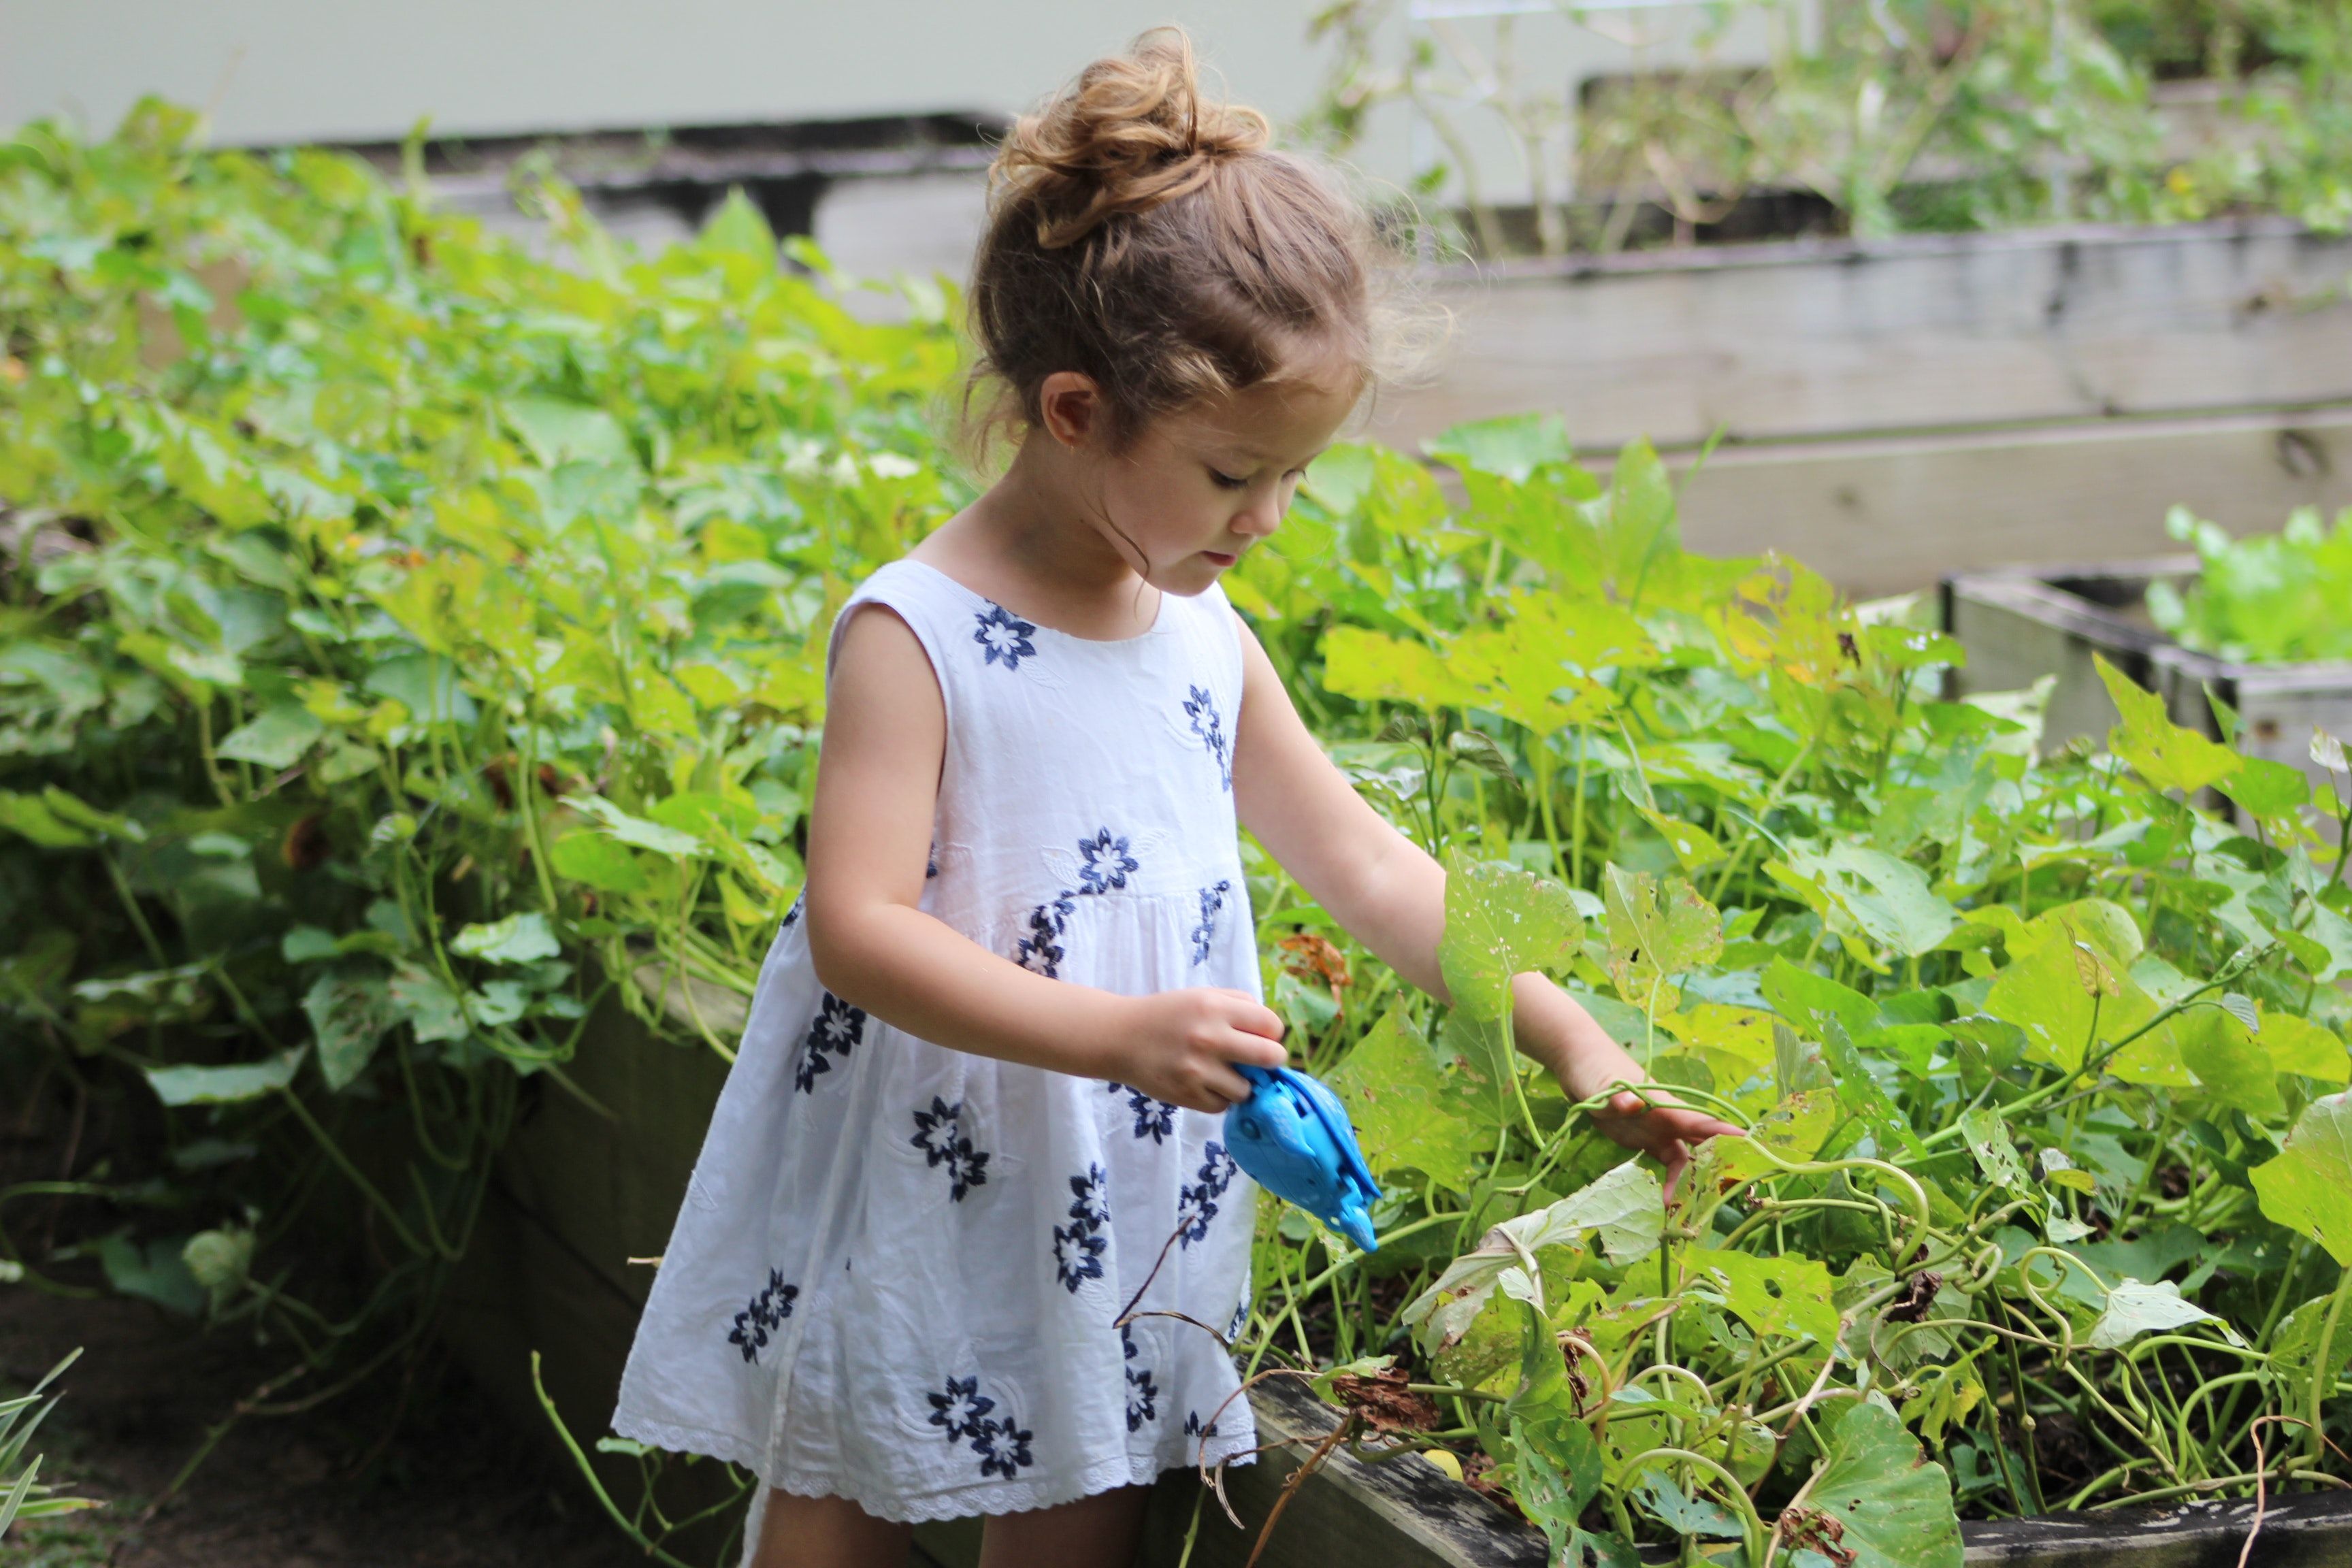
(1037, 542)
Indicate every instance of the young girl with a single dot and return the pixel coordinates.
(978, 1097)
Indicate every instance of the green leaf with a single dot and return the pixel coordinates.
(1786, 1297)
(274, 739)
(153, 1272)
(29, 816)
(638, 832)
(558, 432)
(2166, 756)
(1372, 668)
(1625, 1207)
(1995, 1156)
(1512, 446)
(1656, 930)
(601, 861)
(2308, 1187)
(1877, 1501)
(1888, 898)
(349, 1012)
(2232, 1065)
(1397, 1093)
(425, 999)
(225, 1085)
(523, 938)
(738, 225)
(2135, 1308)
(2269, 790)
(1499, 923)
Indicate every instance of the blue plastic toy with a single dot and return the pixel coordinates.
(1292, 1137)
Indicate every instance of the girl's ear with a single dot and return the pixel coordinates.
(1069, 405)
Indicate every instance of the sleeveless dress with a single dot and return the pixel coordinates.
(898, 1269)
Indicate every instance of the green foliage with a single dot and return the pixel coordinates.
(417, 659)
(22, 1494)
(1911, 114)
(2270, 598)
(2008, 1028)
(405, 652)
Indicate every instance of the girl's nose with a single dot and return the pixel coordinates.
(1260, 518)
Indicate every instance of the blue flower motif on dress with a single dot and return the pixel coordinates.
(1154, 1119)
(766, 1313)
(1079, 1245)
(836, 1027)
(1108, 862)
(1041, 950)
(1212, 903)
(1200, 708)
(963, 1412)
(1241, 1316)
(1194, 1426)
(1001, 635)
(939, 1134)
(1196, 1203)
(1142, 1394)
(1003, 1449)
(792, 915)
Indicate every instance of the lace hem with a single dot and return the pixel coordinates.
(958, 1503)
(1004, 1497)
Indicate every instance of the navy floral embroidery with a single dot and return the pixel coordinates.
(1001, 635)
(1040, 950)
(1108, 862)
(1154, 1119)
(1194, 1428)
(1142, 1394)
(963, 1412)
(1196, 1203)
(939, 1134)
(1241, 1317)
(931, 866)
(1212, 902)
(792, 915)
(765, 1314)
(836, 1027)
(1079, 1245)
(1200, 708)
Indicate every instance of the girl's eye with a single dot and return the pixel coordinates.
(1227, 481)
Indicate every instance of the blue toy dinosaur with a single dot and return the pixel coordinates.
(1292, 1136)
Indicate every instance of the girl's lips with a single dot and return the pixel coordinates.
(1220, 557)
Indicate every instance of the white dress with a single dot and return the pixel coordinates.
(899, 1270)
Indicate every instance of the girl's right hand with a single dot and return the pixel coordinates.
(1180, 1046)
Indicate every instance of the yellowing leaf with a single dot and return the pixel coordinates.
(2167, 755)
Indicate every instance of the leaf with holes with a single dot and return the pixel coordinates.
(2308, 1187)
(1877, 1501)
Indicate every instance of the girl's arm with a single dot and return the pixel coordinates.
(1390, 894)
(870, 824)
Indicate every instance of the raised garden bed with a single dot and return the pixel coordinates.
(2023, 622)
(578, 1197)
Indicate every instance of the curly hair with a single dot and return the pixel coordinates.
(1154, 241)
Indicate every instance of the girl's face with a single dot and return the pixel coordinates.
(1197, 489)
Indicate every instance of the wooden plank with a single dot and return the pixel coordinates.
(1895, 513)
(1793, 338)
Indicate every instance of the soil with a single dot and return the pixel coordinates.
(358, 1484)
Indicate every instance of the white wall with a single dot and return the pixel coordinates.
(278, 71)
(282, 71)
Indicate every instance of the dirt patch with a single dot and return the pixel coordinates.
(359, 1484)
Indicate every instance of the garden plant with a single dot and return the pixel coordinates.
(2268, 598)
(406, 650)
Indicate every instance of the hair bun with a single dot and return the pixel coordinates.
(1131, 132)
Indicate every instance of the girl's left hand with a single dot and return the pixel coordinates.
(1661, 1129)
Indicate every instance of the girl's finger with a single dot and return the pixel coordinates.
(1263, 1020)
(1225, 1081)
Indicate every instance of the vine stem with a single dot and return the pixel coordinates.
(2321, 1382)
